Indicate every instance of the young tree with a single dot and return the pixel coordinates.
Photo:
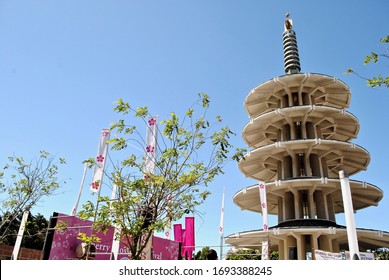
(34, 234)
(244, 254)
(202, 254)
(379, 80)
(381, 254)
(192, 151)
(249, 254)
(23, 184)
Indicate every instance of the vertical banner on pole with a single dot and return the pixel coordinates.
(221, 227)
(178, 233)
(190, 236)
(168, 226)
(265, 244)
(186, 237)
(167, 231)
(151, 144)
(151, 155)
(100, 161)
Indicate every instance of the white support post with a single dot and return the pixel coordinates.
(19, 238)
(349, 215)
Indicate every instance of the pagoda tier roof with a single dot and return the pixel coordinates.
(363, 194)
(367, 238)
(262, 163)
(321, 90)
(334, 124)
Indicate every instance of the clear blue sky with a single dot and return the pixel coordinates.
(64, 63)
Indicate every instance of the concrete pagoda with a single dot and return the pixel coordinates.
(300, 136)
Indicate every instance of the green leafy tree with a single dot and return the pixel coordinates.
(379, 80)
(249, 254)
(34, 233)
(381, 254)
(192, 151)
(23, 184)
(202, 254)
(206, 253)
(274, 255)
(244, 254)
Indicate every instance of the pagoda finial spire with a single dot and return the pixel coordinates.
(291, 55)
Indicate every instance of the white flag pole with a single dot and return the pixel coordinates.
(221, 227)
(349, 215)
(19, 238)
(74, 210)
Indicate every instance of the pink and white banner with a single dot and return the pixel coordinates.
(265, 244)
(221, 227)
(151, 144)
(262, 195)
(168, 227)
(100, 161)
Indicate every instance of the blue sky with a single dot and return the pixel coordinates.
(64, 63)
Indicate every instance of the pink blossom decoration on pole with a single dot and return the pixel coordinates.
(100, 158)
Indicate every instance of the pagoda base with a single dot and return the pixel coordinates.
(297, 239)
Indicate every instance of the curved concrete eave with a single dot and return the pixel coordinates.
(262, 163)
(322, 89)
(335, 124)
(367, 238)
(363, 194)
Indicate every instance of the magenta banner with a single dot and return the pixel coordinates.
(186, 237)
(64, 243)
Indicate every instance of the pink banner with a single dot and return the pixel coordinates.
(64, 243)
(178, 232)
(186, 237)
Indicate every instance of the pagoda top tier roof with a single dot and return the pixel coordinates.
(320, 89)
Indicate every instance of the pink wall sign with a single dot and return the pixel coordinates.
(64, 243)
